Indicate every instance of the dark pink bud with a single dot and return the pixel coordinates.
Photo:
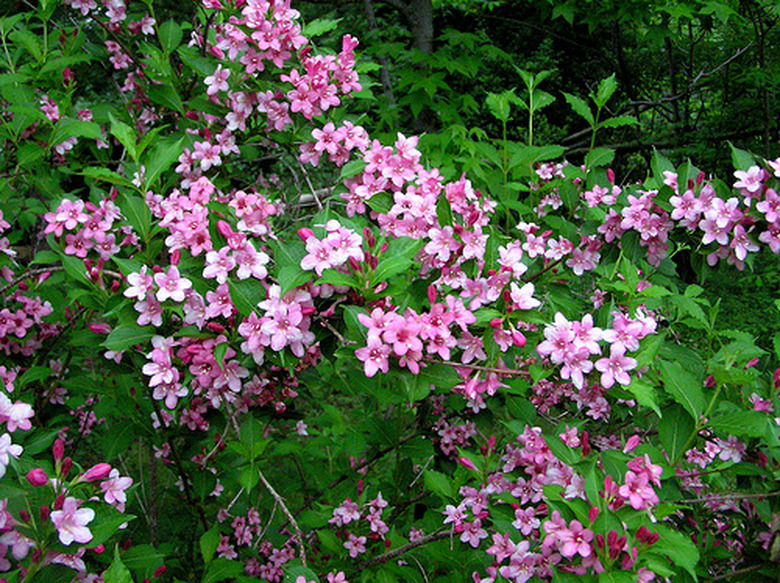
(175, 257)
(593, 513)
(518, 338)
(96, 472)
(467, 463)
(305, 233)
(58, 449)
(585, 444)
(67, 464)
(369, 236)
(492, 442)
(100, 328)
(224, 228)
(383, 247)
(43, 512)
(215, 327)
(115, 285)
(23, 286)
(352, 262)
(99, 549)
(431, 294)
(193, 115)
(160, 571)
(37, 477)
(37, 556)
(24, 516)
(611, 175)
(495, 323)
(67, 76)
(600, 540)
(700, 178)
(308, 310)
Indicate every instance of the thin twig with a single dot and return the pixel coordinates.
(433, 537)
(297, 533)
(724, 498)
(738, 572)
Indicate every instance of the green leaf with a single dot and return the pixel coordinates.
(741, 159)
(252, 437)
(292, 571)
(319, 27)
(739, 422)
(165, 95)
(209, 542)
(124, 337)
(580, 107)
(125, 134)
(645, 394)
(439, 484)
(618, 121)
(605, 90)
(29, 41)
(32, 374)
(352, 168)
(498, 105)
(159, 159)
(75, 268)
(678, 547)
(221, 569)
(674, 430)
(170, 35)
(106, 175)
(107, 521)
(599, 157)
(137, 213)
(69, 128)
(143, 560)
(684, 387)
(117, 572)
(246, 295)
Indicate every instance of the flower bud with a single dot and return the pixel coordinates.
(97, 472)
(43, 512)
(224, 228)
(631, 443)
(467, 463)
(431, 294)
(593, 513)
(24, 516)
(175, 257)
(160, 571)
(58, 449)
(304, 234)
(99, 549)
(518, 338)
(67, 464)
(100, 328)
(37, 477)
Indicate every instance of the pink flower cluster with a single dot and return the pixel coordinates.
(348, 512)
(335, 250)
(571, 344)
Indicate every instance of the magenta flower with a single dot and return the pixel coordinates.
(576, 540)
(615, 368)
(71, 522)
(172, 285)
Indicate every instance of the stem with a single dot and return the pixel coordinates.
(438, 535)
(297, 533)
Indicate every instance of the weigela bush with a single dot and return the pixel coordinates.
(244, 340)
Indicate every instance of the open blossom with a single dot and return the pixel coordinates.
(71, 522)
(172, 285)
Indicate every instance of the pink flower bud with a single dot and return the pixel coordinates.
(593, 513)
(631, 443)
(383, 247)
(431, 294)
(160, 571)
(37, 477)
(467, 463)
(304, 234)
(611, 175)
(518, 338)
(224, 228)
(99, 549)
(175, 257)
(495, 323)
(58, 449)
(67, 76)
(193, 115)
(67, 464)
(24, 516)
(100, 328)
(96, 472)
(43, 512)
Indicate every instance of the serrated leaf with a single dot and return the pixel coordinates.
(439, 484)
(221, 569)
(599, 157)
(352, 168)
(137, 213)
(605, 90)
(292, 572)
(644, 394)
(125, 135)
(124, 337)
(674, 430)
(32, 374)
(619, 121)
(107, 521)
(739, 423)
(170, 35)
(678, 547)
(246, 294)
(319, 27)
(209, 541)
(252, 437)
(106, 175)
(741, 159)
(117, 572)
(684, 387)
(580, 107)
(165, 95)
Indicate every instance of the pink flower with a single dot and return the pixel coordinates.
(356, 545)
(218, 81)
(374, 356)
(637, 491)
(576, 540)
(71, 522)
(172, 285)
(614, 369)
